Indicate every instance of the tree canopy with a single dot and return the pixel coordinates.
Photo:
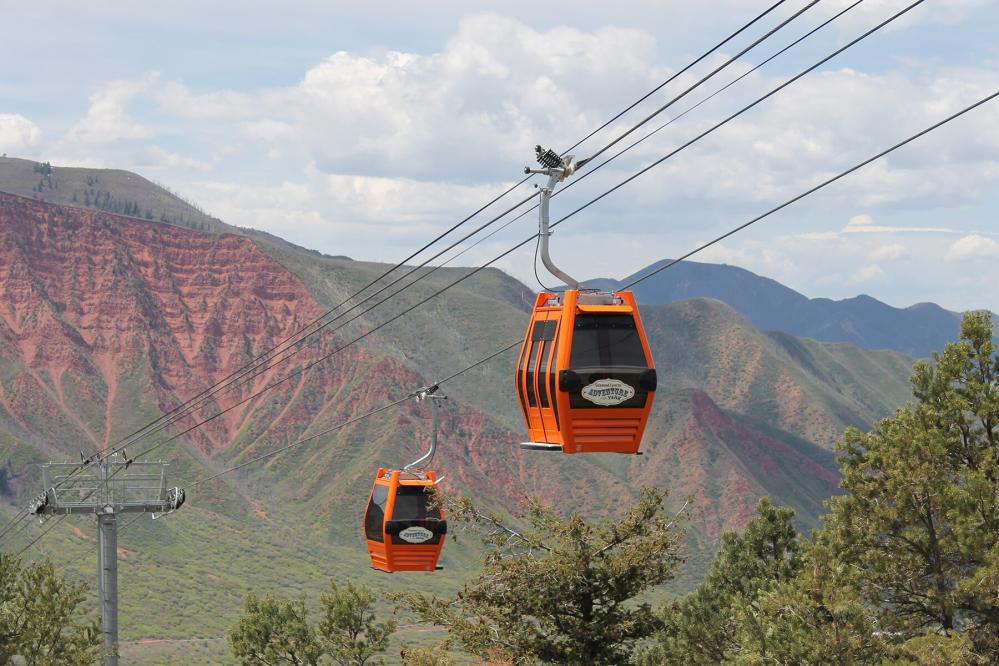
(41, 619)
(280, 631)
(559, 590)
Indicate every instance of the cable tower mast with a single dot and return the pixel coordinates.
(107, 487)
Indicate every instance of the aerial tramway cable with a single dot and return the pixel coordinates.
(477, 270)
(339, 426)
(812, 190)
(239, 377)
(38, 538)
(677, 74)
(291, 338)
(687, 255)
(710, 74)
(240, 381)
(659, 129)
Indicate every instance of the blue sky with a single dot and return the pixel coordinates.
(365, 128)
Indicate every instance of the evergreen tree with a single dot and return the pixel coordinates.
(41, 620)
(920, 520)
(430, 656)
(348, 629)
(273, 631)
(817, 617)
(561, 590)
(905, 567)
(704, 628)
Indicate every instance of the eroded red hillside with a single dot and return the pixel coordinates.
(84, 292)
(724, 465)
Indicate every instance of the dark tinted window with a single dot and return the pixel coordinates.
(532, 361)
(546, 349)
(375, 515)
(601, 340)
(411, 504)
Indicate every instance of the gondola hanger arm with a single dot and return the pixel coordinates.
(557, 168)
(421, 394)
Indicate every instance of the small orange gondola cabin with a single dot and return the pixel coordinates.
(404, 532)
(585, 375)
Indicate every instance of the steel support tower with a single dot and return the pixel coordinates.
(107, 487)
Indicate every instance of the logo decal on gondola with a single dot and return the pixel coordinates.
(416, 534)
(606, 392)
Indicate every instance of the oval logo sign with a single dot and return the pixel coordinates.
(607, 392)
(416, 534)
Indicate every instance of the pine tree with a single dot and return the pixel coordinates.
(348, 630)
(704, 627)
(430, 656)
(562, 590)
(920, 519)
(906, 566)
(41, 619)
(817, 617)
(273, 631)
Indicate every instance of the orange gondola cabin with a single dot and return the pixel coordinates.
(585, 375)
(403, 529)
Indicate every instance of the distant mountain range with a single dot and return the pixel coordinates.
(917, 330)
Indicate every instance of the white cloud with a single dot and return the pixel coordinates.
(817, 236)
(471, 112)
(866, 274)
(17, 133)
(156, 158)
(864, 224)
(334, 213)
(973, 246)
(369, 151)
(107, 119)
(873, 11)
(476, 107)
(889, 252)
(225, 105)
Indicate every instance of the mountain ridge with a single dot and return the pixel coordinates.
(119, 192)
(862, 320)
